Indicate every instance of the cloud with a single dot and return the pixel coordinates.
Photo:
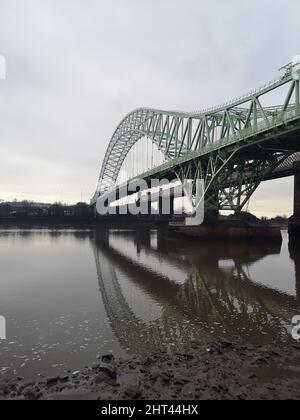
(75, 68)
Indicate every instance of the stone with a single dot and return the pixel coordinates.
(108, 370)
(108, 358)
(76, 373)
(52, 381)
(133, 389)
(225, 343)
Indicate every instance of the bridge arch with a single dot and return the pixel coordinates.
(233, 147)
(144, 122)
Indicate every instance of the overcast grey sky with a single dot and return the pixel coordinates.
(76, 67)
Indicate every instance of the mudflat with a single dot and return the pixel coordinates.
(222, 371)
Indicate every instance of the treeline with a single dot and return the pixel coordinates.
(31, 210)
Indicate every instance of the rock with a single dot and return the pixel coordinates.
(133, 390)
(148, 362)
(76, 373)
(297, 347)
(100, 377)
(154, 375)
(95, 366)
(52, 381)
(110, 370)
(225, 343)
(167, 375)
(133, 365)
(108, 358)
(180, 379)
(195, 344)
(32, 394)
(261, 360)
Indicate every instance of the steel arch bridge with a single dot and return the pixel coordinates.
(232, 147)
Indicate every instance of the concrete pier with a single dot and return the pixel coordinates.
(244, 226)
(223, 232)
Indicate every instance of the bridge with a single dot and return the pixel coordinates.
(232, 147)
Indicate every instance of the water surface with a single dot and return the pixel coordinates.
(70, 295)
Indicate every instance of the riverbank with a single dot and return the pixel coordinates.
(78, 223)
(223, 371)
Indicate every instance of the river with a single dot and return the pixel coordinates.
(71, 295)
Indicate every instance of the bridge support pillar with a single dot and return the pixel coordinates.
(118, 210)
(160, 203)
(149, 203)
(172, 201)
(297, 191)
(294, 225)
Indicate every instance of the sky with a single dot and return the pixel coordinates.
(76, 67)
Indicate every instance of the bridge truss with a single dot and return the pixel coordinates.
(232, 147)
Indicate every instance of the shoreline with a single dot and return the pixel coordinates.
(74, 223)
(222, 371)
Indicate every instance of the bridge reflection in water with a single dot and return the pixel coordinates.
(162, 295)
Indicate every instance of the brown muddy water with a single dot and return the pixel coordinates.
(70, 295)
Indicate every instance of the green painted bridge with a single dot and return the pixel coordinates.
(232, 147)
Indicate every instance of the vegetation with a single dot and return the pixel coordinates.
(31, 210)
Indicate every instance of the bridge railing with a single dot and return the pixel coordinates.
(247, 132)
(246, 97)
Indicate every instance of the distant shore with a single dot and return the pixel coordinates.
(109, 220)
(78, 223)
(45, 221)
(222, 371)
